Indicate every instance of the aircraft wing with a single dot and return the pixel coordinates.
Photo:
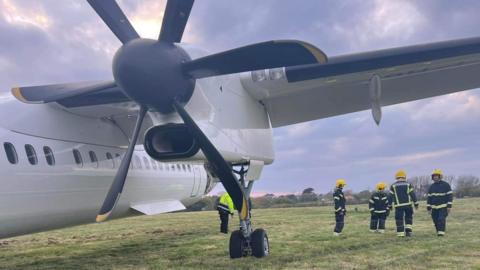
(357, 82)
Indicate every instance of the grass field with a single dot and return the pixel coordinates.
(300, 238)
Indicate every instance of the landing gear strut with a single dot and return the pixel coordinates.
(246, 241)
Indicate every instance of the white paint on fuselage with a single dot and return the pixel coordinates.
(41, 197)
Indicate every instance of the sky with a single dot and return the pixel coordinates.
(51, 41)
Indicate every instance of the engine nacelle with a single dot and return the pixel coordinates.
(170, 142)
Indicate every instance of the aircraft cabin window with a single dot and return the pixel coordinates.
(78, 157)
(11, 153)
(184, 167)
(138, 163)
(154, 164)
(160, 166)
(31, 155)
(49, 155)
(147, 164)
(110, 157)
(93, 159)
(167, 167)
(178, 167)
(189, 167)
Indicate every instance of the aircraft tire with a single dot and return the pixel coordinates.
(259, 243)
(237, 245)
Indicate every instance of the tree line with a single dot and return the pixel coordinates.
(463, 186)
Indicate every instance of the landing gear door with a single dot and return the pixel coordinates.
(254, 170)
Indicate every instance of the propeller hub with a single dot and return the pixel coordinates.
(150, 73)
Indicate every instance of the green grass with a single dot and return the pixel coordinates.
(300, 238)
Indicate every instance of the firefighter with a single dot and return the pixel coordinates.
(378, 206)
(439, 201)
(339, 204)
(402, 197)
(225, 207)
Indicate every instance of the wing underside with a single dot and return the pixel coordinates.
(304, 93)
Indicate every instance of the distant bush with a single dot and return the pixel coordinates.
(463, 186)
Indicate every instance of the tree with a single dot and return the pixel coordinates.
(467, 185)
(362, 197)
(308, 195)
(420, 185)
(308, 191)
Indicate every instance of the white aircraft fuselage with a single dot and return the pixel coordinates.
(38, 197)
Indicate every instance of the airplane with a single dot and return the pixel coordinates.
(195, 117)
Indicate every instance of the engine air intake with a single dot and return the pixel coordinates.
(170, 141)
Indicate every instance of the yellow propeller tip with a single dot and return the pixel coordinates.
(101, 218)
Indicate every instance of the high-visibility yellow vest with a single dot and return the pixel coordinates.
(226, 203)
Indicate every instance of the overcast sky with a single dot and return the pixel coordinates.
(53, 41)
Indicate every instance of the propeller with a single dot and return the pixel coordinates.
(116, 20)
(174, 20)
(219, 166)
(119, 181)
(160, 75)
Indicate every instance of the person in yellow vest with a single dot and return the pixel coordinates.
(225, 207)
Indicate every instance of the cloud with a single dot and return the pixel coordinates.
(411, 158)
(462, 106)
(389, 22)
(292, 153)
(14, 14)
(300, 130)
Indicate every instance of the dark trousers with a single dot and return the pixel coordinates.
(223, 221)
(439, 217)
(377, 221)
(404, 219)
(339, 222)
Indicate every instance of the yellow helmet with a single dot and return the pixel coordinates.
(380, 186)
(437, 172)
(340, 182)
(401, 174)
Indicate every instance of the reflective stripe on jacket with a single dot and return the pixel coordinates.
(339, 200)
(378, 203)
(225, 203)
(402, 194)
(440, 195)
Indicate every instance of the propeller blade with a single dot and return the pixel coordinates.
(265, 55)
(119, 181)
(115, 19)
(220, 167)
(174, 20)
(56, 92)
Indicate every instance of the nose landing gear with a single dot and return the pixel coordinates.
(246, 241)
